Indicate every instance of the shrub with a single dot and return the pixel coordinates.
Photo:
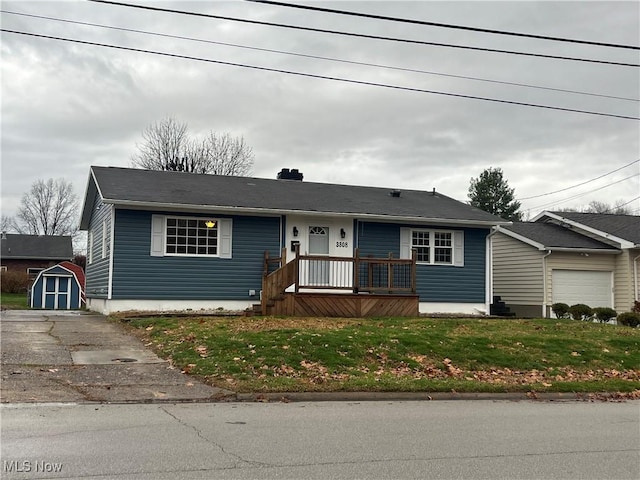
(636, 307)
(629, 319)
(580, 311)
(14, 282)
(560, 310)
(604, 314)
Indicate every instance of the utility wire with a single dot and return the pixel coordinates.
(318, 57)
(580, 184)
(543, 206)
(323, 77)
(619, 206)
(444, 25)
(362, 35)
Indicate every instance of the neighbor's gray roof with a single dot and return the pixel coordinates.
(552, 236)
(36, 247)
(626, 227)
(145, 188)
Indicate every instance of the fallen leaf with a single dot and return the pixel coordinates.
(202, 350)
(149, 328)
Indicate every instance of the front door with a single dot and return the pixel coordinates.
(318, 245)
(56, 292)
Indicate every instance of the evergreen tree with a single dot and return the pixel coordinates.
(490, 192)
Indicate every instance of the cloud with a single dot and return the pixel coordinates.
(68, 106)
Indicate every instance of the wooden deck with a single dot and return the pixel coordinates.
(349, 287)
(343, 305)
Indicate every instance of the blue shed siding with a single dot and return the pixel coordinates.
(137, 274)
(435, 283)
(97, 272)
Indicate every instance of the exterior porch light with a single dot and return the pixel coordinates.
(210, 224)
(342, 233)
(295, 231)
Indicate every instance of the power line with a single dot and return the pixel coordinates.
(620, 206)
(322, 77)
(318, 57)
(444, 25)
(580, 184)
(362, 35)
(583, 194)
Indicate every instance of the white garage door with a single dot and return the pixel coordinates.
(582, 286)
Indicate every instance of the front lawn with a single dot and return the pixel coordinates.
(13, 301)
(265, 354)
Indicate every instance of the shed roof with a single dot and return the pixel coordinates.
(36, 247)
(159, 189)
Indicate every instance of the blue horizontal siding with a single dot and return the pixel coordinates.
(434, 283)
(97, 272)
(136, 274)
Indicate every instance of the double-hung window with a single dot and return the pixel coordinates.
(433, 247)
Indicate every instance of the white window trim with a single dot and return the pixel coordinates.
(159, 237)
(457, 245)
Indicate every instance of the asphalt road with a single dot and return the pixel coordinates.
(323, 440)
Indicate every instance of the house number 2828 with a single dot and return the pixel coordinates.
(342, 244)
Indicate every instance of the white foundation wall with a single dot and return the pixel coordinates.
(112, 306)
(453, 308)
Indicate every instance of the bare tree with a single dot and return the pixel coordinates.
(620, 207)
(6, 223)
(225, 155)
(167, 146)
(163, 142)
(49, 208)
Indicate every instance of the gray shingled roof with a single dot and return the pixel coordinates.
(626, 227)
(36, 247)
(554, 236)
(158, 188)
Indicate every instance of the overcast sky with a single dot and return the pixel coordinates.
(67, 106)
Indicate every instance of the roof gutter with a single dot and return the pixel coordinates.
(276, 211)
(610, 251)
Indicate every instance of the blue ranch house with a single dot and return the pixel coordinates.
(171, 241)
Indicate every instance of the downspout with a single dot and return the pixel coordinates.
(112, 223)
(489, 275)
(636, 297)
(544, 283)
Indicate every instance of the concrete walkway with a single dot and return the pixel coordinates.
(62, 356)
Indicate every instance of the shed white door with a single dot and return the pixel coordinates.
(592, 288)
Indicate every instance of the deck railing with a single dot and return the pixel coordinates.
(321, 272)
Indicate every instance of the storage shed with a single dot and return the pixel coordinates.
(60, 287)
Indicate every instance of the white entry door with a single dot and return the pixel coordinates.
(318, 245)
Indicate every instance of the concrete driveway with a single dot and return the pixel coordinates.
(66, 356)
